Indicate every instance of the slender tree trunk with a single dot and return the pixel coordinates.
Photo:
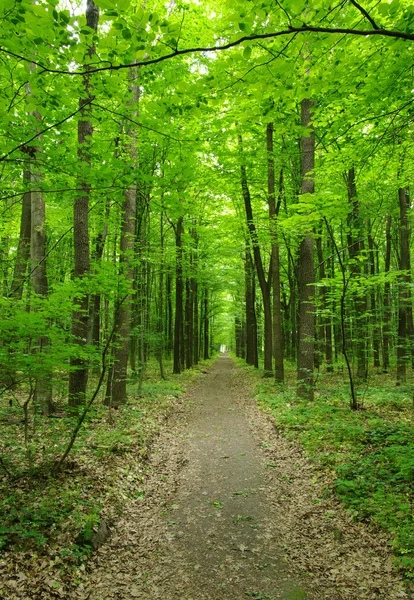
(264, 284)
(178, 322)
(356, 247)
(95, 316)
(387, 316)
(325, 327)
(170, 336)
(23, 249)
(277, 334)
(116, 393)
(188, 323)
(206, 327)
(194, 291)
(161, 302)
(374, 316)
(238, 335)
(404, 282)
(305, 383)
(78, 377)
(7, 372)
(43, 389)
(251, 324)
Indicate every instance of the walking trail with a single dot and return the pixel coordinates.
(230, 510)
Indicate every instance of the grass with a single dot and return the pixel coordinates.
(368, 454)
(40, 509)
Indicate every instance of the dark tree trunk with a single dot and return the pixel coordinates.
(264, 284)
(404, 307)
(161, 303)
(374, 316)
(78, 377)
(325, 333)
(188, 323)
(116, 392)
(43, 389)
(356, 247)
(206, 327)
(170, 336)
(305, 385)
(96, 302)
(23, 249)
(194, 291)
(7, 372)
(277, 334)
(178, 323)
(251, 324)
(387, 316)
(238, 335)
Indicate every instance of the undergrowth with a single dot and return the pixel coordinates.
(41, 509)
(368, 454)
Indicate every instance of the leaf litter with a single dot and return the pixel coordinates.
(306, 545)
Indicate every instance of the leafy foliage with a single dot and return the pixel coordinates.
(368, 454)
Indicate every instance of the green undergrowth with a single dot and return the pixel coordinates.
(368, 454)
(42, 511)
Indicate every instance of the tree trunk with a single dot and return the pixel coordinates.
(404, 282)
(161, 303)
(116, 392)
(306, 336)
(188, 322)
(356, 247)
(206, 328)
(374, 316)
(7, 372)
(23, 249)
(194, 291)
(387, 316)
(170, 336)
(178, 322)
(264, 284)
(277, 333)
(43, 389)
(251, 324)
(78, 377)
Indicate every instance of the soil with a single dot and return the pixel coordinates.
(231, 510)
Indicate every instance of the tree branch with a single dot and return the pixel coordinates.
(23, 144)
(379, 32)
(365, 13)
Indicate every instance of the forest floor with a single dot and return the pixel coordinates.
(232, 510)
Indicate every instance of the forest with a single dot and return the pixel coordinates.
(189, 177)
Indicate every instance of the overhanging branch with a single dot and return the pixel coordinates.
(379, 32)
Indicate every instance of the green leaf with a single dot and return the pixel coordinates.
(247, 52)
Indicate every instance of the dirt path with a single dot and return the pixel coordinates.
(226, 503)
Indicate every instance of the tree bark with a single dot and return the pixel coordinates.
(277, 334)
(206, 327)
(305, 384)
(43, 389)
(161, 302)
(373, 299)
(188, 322)
(251, 324)
(116, 393)
(404, 307)
(78, 377)
(23, 249)
(356, 247)
(264, 284)
(387, 315)
(194, 291)
(178, 321)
